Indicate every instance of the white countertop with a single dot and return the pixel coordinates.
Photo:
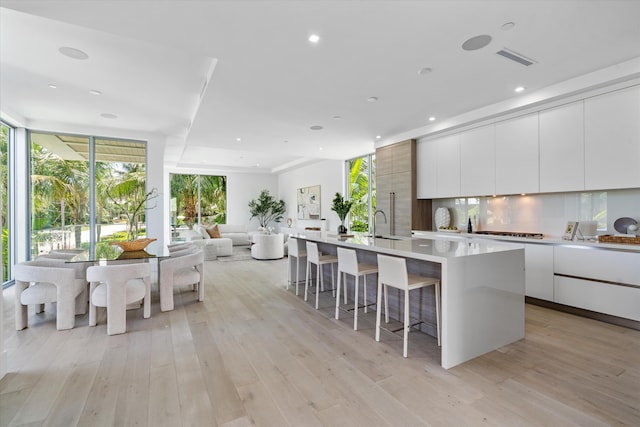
(435, 248)
(550, 240)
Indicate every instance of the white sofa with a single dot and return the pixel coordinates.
(235, 232)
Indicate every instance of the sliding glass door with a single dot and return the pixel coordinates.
(197, 199)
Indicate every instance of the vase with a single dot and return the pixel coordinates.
(342, 229)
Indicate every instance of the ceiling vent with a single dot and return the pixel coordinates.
(513, 56)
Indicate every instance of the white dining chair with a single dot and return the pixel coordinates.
(181, 270)
(115, 286)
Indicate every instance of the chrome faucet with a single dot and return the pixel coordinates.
(374, 220)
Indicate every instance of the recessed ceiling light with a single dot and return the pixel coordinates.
(320, 148)
(378, 137)
(72, 52)
(108, 116)
(52, 86)
(257, 165)
(314, 38)
(95, 92)
(507, 26)
(316, 127)
(519, 89)
(285, 141)
(238, 139)
(431, 119)
(425, 70)
(337, 117)
(477, 42)
(372, 99)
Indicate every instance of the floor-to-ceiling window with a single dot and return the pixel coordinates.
(362, 191)
(73, 176)
(198, 199)
(6, 134)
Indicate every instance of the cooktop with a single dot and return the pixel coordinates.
(511, 234)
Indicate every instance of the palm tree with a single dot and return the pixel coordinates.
(184, 188)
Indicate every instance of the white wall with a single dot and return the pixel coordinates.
(329, 174)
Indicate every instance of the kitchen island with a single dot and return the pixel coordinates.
(482, 282)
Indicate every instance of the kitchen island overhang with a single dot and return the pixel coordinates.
(482, 282)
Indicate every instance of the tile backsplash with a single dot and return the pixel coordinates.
(543, 213)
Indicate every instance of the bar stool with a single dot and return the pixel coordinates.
(314, 257)
(392, 271)
(296, 252)
(348, 264)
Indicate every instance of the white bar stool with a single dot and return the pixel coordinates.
(348, 264)
(296, 252)
(392, 271)
(314, 257)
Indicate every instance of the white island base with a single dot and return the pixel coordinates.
(483, 285)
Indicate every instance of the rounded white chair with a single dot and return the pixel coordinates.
(115, 286)
(44, 281)
(392, 271)
(267, 246)
(315, 257)
(183, 268)
(348, 264)
(296, 252)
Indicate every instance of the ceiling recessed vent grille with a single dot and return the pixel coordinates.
(520, 59)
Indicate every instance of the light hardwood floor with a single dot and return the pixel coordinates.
(255, 354)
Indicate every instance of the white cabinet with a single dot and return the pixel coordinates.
(562, 148)
(612, 140)
(427, 172)
(477, 162)
(448, 179)
(539, 271)
(438, 172)
(599, 280)
(517, 169)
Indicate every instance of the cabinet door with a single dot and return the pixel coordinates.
(562, 148)
(477, 162)
(384, 161)
(402, 198)
(402, 157)
(612, 140)
(517, 155)
(384, 186)
(448, 179)
(426, 169)
(538, 261)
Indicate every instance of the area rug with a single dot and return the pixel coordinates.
(240, 253)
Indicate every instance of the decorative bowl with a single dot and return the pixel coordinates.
(133, 245)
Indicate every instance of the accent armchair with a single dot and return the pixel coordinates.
(115, 286)
(181, 269)
(44, 281)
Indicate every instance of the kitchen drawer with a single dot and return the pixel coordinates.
(621, 301)
(611, 266)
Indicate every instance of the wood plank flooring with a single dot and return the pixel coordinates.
(255, 354)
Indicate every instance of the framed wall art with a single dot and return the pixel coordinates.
(309, 202)
(570, 230)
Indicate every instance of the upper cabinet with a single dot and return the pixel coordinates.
(562, 148)
(438, 174)
(517, 155)
(590, 144)
(612, 140)
(477, 162)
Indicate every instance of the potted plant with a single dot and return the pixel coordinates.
(342, 208)
(266, 208)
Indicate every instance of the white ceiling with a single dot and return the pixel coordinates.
(269, 84)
